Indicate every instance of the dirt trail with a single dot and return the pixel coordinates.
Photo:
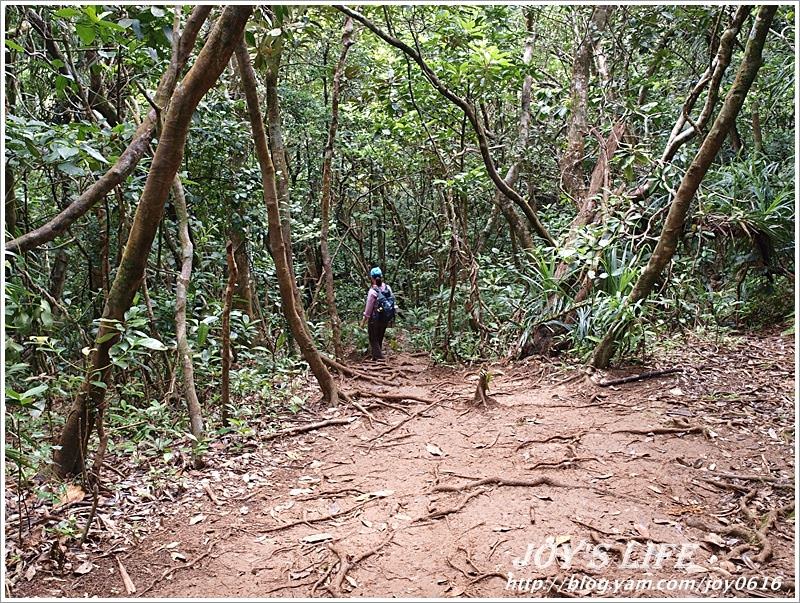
(393, 521)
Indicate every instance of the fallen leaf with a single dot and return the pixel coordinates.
(434, 449)
(244, 510)
(177, 556)
(562, 538)
(642, 529)
(693, 568)
(73, 493)
(403, 517)
(83, 568)
(502, 529)
(714, 539)
(377, 494)
(321, 537)
(196, 519)
(351, 581)
(656, 489)
(171, 545)
(300, 491)
(30, 573)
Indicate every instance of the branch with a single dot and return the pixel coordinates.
(129, 158)
(468, 110)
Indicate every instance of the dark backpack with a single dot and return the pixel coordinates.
(384, 305)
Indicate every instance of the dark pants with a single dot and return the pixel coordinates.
(376, 329)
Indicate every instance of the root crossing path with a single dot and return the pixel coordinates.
(432, 495)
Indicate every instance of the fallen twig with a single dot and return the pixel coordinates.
(308, 427)
(639, 377)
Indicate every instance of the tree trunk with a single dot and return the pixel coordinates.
(243, 291)
(679, 208)
(130, 157)
(58, 275)
(758, 140)
(280, 251)
(167, 159)
(181, 289)
(325, 212)
(572, 177)
(277, 147)
(512, 175)
(10, 201)
(227, 355)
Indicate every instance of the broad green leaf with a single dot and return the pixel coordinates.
(152, 344)
(85, 32)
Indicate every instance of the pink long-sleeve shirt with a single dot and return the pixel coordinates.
(372, 295)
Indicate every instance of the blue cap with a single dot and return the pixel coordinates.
(375, 272)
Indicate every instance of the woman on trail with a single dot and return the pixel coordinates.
(378, 312)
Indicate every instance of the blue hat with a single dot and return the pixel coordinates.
(375, 272)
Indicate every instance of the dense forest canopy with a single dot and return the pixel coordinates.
(510, 168)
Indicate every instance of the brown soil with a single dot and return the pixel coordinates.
(720, 455)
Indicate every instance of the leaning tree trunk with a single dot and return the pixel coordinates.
(673, 225)
(280, 251)
(130, 157)
(210, 63)
(181, 289)
(325, 212)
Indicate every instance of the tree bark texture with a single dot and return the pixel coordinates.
(210, 63)
(280, 251)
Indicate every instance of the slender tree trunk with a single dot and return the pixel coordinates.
(512, 175)
(325, 212)
(276, 145)
(58, 275)
(571, 161)
(679, 208)
(758, 140)
(181, 290)
(243, 291)
(227, 354)
(280, 251)
(167, 159)
(10, 201)
(130, 157)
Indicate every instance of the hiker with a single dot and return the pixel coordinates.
(379, 312)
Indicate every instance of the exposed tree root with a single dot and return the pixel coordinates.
(502, 481)
(748, 535)
(347, 371)
(564, 462)
(345, 565)
(450, 510)
(407, 419)
(297, 522)
(307, 427)
(570, 437)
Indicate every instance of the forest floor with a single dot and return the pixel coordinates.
(438, 497)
